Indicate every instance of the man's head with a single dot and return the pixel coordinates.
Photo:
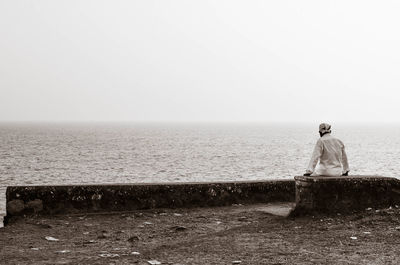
(324, 128)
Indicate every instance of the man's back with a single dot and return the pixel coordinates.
(330, 152)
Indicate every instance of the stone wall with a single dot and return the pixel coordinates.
(345, 194)
(126, 197)
(312, 194)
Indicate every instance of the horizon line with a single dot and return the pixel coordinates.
(198, 122)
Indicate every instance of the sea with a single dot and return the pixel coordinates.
(83, 153)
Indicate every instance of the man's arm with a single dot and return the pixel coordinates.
(314, 158)
(345, 163)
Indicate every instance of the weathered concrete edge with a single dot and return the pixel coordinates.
(161, 183)
(87, 198)
(343, 178)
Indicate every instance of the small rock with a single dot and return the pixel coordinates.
(15, 207)
(50, 238)
(147, 223)
(153, 262)
(369, 209)
(109, 255)
(35, 249)
(178, 228)
(36, 205)
(133, 238)
(367, 233)
(63, 251)
(397, 228)
(177, 214)
(353, 237)
(135, 253)
(103, 235)
(41, 225)
(236, 262)
(86, 233)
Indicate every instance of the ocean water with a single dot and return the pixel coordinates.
(137, 153)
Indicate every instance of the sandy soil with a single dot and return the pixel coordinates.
(227, 235)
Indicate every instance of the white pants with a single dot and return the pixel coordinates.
(323, 171)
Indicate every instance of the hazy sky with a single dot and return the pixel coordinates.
(199, 60)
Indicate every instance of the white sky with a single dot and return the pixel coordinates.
(199, 60)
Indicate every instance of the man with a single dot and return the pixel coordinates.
(331, 155)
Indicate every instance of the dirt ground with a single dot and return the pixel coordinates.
(238, 234)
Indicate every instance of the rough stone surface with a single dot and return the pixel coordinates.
(15, 207)
(127, 197)
(344, 194)
(36, 205)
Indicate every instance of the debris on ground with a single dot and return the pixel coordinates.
(133, 238)
(108, 255)
(103, 234)
(153, 262)
(89, 242)
(178, 228)
(263, 239)
(50, 238)
(63, 251)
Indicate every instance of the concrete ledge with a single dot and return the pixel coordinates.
(126, 197)
(344, 194)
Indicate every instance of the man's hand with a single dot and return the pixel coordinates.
(345, 174)
(307, 174)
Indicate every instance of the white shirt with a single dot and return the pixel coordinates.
(331, 155)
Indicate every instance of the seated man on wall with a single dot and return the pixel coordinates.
(331, 155)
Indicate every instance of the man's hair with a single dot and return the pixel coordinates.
(324, 128)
